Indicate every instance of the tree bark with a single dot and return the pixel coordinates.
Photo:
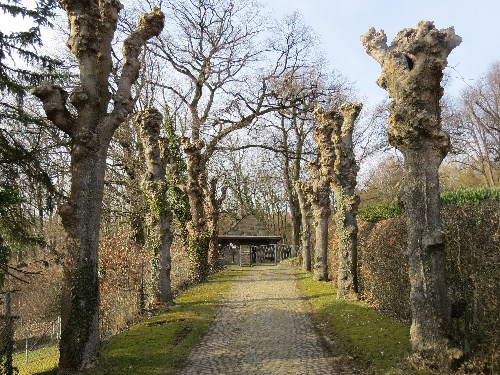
(291, 174)
(213, 208)
(198, 235)
(306, 215)
(318, 194)
(160, 217)
(412, 69)
(92, 26)
(342, 169)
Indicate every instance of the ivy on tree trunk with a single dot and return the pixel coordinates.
(339, 162)
(160, 217)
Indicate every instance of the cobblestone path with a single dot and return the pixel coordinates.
(263, 327)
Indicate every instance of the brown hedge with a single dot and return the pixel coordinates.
(473, 272)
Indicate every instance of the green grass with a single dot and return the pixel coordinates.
(41, 361)
(159, 345)
(378, 341)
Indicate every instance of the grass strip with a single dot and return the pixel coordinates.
(160, 344)
(41, 361)
(379, 341)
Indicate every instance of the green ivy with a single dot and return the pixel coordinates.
(157, 202)
(176, 198)
(198, 251)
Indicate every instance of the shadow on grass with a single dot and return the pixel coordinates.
(379, 341)
(161, 344)
(49, 372)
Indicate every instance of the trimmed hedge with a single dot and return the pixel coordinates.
(384, 211)
(473, 254)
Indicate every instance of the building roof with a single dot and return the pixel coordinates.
(249, 230)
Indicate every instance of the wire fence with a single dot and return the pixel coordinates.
(21, 341)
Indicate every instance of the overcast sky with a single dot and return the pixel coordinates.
(339, 24)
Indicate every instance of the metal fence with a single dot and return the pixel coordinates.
(26, 347)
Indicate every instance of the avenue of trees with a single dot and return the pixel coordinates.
(168, 121)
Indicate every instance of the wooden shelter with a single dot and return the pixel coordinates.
(249, 242)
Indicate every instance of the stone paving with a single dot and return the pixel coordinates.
(263, 327)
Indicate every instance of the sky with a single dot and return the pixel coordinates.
(339, 25)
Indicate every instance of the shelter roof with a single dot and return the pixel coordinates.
(249, 230)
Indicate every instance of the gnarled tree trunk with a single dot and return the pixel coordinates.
(213, 208)
(342, 170)
(160, 217)
(92, 25)
(198, 237)
(412, 69)
(306, 215)
(317, 190)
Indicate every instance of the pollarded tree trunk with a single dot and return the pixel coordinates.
(198, 236)
(213, 208)
(318, 193)
(291, 172)
(342, 170)
(92, 25)
(412, 69)
(160, 217)
(306, 215)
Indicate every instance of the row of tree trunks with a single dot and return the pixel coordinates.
(335, 144)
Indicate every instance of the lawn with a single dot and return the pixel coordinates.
(158, 345)
(41, 361)
(380, 342)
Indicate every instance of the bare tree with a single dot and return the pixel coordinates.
(475, 126)
(255, 187)
(412, 70)
(305, 234)
(90, 126)
(222, 84)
